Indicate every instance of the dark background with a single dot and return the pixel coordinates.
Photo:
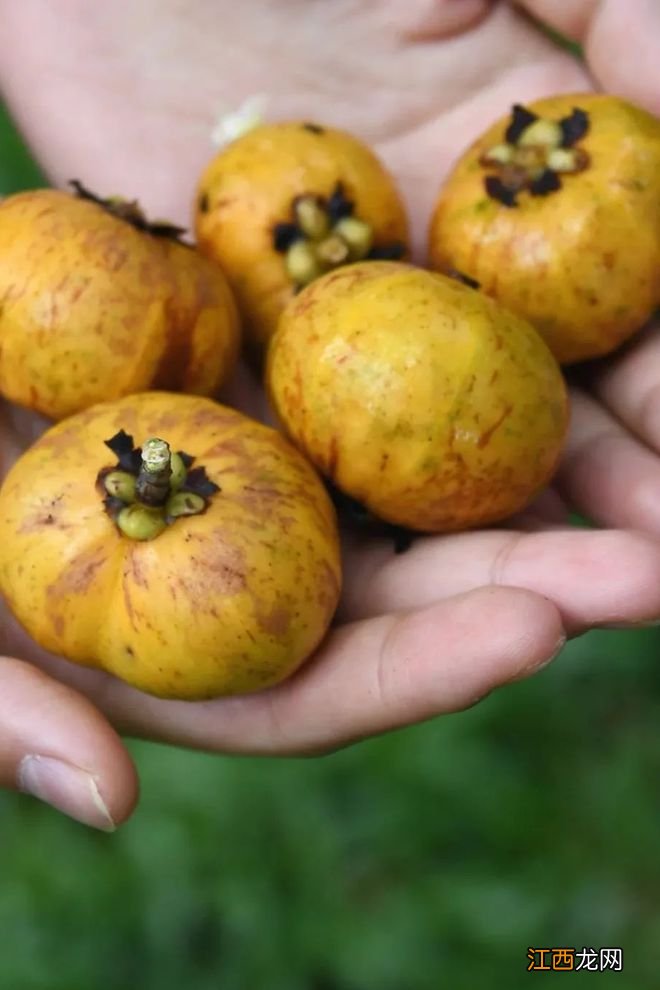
(430, 858)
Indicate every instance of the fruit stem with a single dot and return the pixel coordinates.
(152, 487)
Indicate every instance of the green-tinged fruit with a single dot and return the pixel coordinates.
(138, 522)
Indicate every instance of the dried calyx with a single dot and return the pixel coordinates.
(358, 518)
(535, 153)
(131, 212)
(150, 486)
(462, 278)
(324, 234)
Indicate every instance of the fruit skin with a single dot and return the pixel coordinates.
(226, 602)
(93, 309)
(249, 187)
(581, 263)
(418, 396)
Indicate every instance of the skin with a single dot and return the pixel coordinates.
(580, 263)
(426, 632)
(94, 309)
(250, 186)
(418, 396)
(228, 601)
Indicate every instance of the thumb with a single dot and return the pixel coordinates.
(56, 746)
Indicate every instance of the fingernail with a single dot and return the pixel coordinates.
(65, 787)
(534, 668)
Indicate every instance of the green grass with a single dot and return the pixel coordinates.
(430, 858)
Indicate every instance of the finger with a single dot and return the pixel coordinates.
(619, 39)
(594, 578)
(572, 18)
(629, 385)
(367, 678)
(606, 473)
(431, 20)
(56, 746)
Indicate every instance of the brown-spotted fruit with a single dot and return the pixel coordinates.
(555, 211)
(97, 303)
(418, 396)
(286, 202)
(204, 561)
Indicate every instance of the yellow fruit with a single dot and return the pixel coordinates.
(270, 207)
(556, 212)
(96, 306)
(221, 583)
(418, 396)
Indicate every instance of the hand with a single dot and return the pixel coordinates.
(125, 95)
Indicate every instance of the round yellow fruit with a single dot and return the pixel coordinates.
(555, 211)
(97, 304)
(286, 202)
(418, 396)
(187, 579)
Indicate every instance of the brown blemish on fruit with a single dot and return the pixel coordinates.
(258, 501)
(306, 301)
(351, 275)
(486, 436)
(43, 516)
(203, 202)
(234, 446)
(78, 291)
(313, 128)
(227, 566)
(128, 603)
(212, 415)
(171, 370)
(275, 622)
(135, 568)
(79, 575)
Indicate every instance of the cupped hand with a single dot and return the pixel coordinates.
(125, 96)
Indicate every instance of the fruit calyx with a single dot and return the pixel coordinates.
(461, 277)
(356, 517)
(150, 486)
(130, 211)
(535, 152)
(324, 234)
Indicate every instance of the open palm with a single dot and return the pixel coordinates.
(124, 96)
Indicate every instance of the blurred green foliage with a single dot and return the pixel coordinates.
(430, 858)
(17, 169)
